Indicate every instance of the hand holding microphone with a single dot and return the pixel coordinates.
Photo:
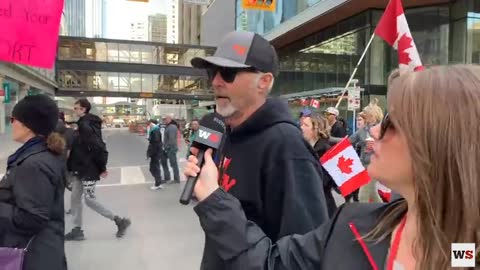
(207, 176)
(208, 138)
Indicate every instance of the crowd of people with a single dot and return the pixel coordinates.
(265, 202)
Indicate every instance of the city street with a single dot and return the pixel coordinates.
(164, 234)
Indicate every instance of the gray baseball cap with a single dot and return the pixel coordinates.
(242, 50)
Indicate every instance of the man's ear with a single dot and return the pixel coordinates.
(265, 82)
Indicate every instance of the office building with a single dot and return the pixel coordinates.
(75, 17)
(320, 42)
(157, 28)
(185, 21)
(95, 18)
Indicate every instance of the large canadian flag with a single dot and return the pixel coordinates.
(345, 167)
(393, 28)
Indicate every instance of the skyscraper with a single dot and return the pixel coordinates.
(157, 28)
(75, 17)
(174, 25)
(95, 18)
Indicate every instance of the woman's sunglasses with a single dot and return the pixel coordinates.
(12, 119)
(385, 125)
(227, 74)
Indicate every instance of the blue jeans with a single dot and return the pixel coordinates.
(172, 159)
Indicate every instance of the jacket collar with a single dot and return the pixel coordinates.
(376, 252)
(32, 147)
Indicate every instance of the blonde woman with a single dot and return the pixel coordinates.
(426, 149)
(315, 131)
(362, 139)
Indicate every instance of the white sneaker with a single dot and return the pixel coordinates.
(156, 187)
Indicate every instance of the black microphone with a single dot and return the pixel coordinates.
(209, 135)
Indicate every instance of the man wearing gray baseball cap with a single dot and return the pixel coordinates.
(265, 162)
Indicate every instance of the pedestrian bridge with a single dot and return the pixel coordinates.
(124, 68)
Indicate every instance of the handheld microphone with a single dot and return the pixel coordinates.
(209, 135)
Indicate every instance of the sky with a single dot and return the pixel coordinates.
(123, 12)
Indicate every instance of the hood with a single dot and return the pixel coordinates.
(274, 111)
(92, 119)
(174, 123)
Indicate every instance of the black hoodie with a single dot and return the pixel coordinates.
(89, 156)
(275, 175)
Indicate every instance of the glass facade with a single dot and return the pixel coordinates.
(444, 34)
(74, 11)
(76, 80)
(128, 52)
(319, 65)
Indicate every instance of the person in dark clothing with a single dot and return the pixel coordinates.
(337, 129)
(31, 192)
(416, 232)
(266, 164)
(87, 163)
(170, 146)
(315, 132)
(154, 152)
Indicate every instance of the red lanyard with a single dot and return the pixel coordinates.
(396, 244)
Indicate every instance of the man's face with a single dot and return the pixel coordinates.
(233, 98)
(194, 125)
(79, 110)
(331, 118)
(168, 120)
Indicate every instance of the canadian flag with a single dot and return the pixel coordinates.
(393, 28)
(343, 164)
(384, 192)
(315, 103)
(304, 102)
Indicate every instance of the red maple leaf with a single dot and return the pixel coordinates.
(403, 44)
(345, 165)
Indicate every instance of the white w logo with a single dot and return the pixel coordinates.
(203, 134)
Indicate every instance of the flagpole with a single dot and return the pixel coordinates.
(355, 70)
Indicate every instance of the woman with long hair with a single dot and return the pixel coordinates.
(31, 192)
(316, 132)
(426, 149)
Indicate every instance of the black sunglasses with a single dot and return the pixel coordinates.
(385, 125)
(12, 119)
(227, 74)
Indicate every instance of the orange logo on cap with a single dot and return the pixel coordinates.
(240, 50)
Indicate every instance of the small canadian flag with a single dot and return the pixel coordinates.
(344, 165)
(304, 102)
(384, 192)
(315, 103)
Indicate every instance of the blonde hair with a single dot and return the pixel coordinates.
(373, 112)
(362, 115)
(438, 112)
